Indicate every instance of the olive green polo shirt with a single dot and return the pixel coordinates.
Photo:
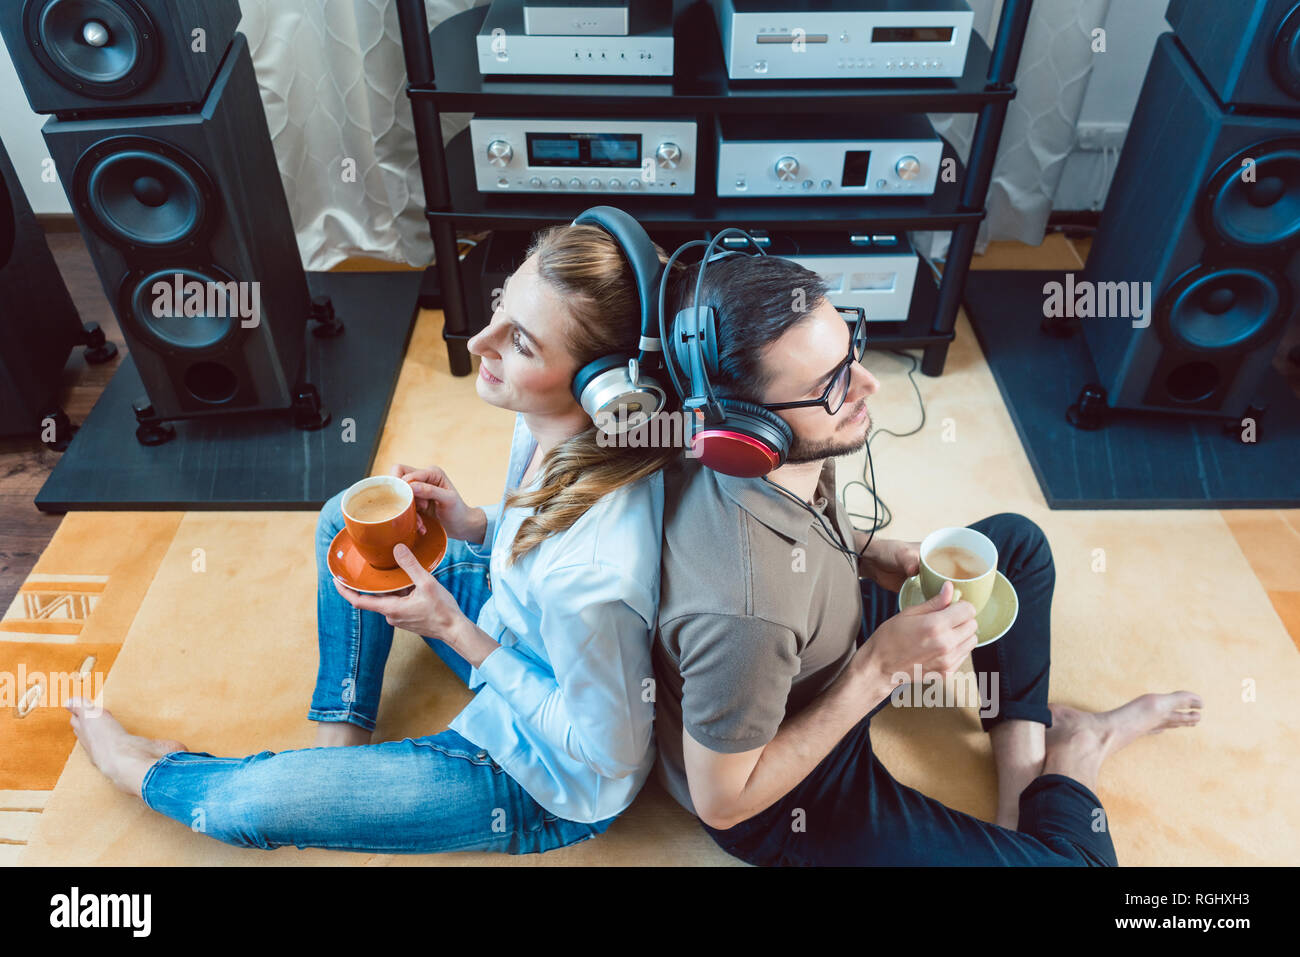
(758, 611)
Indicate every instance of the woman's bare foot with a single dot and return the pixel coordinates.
(1079, 741)
(123, 758)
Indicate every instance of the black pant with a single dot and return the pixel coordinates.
(851, 811)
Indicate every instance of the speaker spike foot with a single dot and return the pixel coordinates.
(308, 413)
(64, 430)
(328, 325)
(151, 430)
(98, 348)
(1089, 412)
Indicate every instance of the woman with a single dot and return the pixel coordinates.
(544, 603)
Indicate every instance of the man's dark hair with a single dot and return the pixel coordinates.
(755, 299)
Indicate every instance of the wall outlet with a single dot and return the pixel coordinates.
(1100, 136)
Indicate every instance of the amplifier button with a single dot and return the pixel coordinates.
(616, 183)
(575, 183)
(594, 183)
(634, 184)
(535, 182)
(826, 184)
(557, 183)
(503, 182)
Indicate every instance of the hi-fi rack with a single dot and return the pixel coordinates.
(699, 88)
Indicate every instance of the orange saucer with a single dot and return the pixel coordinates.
(351, 569)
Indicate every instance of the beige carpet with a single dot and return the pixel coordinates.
(225, 659)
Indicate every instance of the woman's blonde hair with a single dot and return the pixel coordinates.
(587, 267)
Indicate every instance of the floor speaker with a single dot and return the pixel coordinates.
(38, 322)
(1205, 207)
(187, 223)
(1248, 51)
(86, 56)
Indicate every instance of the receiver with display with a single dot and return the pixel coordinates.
(776, 40)
(808, 156)
(581, 155)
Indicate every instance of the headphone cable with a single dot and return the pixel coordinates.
(870, 466)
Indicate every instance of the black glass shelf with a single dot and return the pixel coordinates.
(699, 83)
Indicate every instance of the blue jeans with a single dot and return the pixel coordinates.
(856, 813)
(422, 795)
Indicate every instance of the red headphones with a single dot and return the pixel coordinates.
(728, 435)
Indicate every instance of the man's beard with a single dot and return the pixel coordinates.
(801, 451)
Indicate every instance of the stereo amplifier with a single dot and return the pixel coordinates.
(875, 271)
(581, 155)
(811, 156)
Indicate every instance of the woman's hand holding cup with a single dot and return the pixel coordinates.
(432, 489)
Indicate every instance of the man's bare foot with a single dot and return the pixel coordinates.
(123, 758)
(1079, 741)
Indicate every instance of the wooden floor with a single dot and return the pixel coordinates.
(25, 463)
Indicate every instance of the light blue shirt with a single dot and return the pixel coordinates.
(565, 705)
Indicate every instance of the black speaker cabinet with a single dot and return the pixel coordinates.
(1247, 50)
(1205, 206)
(186, 220)
(38, 322)
(85, 56)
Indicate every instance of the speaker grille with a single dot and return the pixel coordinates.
(100, 48)
(141, 192)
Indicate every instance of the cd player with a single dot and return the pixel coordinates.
(777, 40)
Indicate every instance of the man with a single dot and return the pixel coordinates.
(765, 687)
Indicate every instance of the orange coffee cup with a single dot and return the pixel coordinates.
(377, 531)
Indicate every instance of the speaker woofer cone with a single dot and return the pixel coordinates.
(1256, 205)
(173, 308)
(102, 48)
(143, 193)
(1222, 309)
(1285, 61)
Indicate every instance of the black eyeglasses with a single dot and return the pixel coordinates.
(833, 398)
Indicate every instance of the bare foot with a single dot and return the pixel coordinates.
(123, 758)
(1079, 741)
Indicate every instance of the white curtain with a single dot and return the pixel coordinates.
(1051, 80)
(333, 81)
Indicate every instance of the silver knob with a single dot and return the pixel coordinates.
(499, 153)
(909, 167)
(787, 169)
(95, 33)
(668, 155)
